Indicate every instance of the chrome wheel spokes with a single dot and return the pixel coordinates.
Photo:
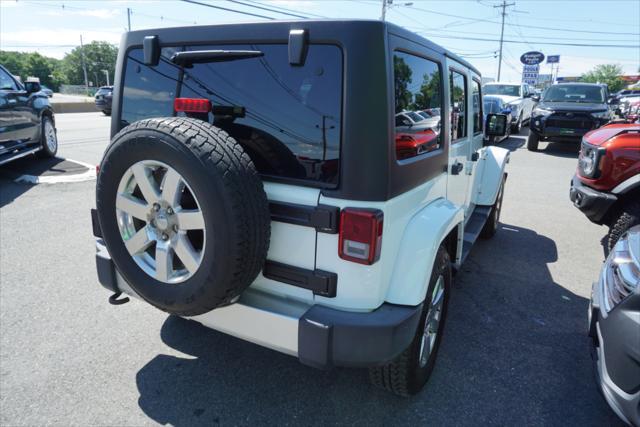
(160, 221)
(432, 321)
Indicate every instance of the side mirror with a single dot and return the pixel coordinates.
(32, 87)
(496, 125)
(407, 123)
(536, 98)
(617, 112)
(506, 111)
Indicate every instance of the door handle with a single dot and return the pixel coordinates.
(456, 168)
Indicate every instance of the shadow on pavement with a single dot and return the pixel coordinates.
(9, 191)
(561, 149)
(32, 165)
(515, 352)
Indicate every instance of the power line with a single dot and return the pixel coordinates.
(519, 34)
(522, 42)
(227, 9)
(286, 9)
(268, 9)
(524, 26)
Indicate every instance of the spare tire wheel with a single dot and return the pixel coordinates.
(183, 214)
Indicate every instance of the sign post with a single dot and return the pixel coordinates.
(554, 59)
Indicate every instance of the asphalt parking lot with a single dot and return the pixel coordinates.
(515, 350)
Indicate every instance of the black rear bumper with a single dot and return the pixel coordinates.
(594, 204)
(326, 337)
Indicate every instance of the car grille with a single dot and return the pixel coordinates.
(621, 273)
(573, 121)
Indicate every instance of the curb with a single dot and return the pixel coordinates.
(89, 175)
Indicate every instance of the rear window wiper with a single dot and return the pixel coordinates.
(187, 59)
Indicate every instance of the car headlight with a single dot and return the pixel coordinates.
(542, 112)
(600, 114)
(620, 275)
(589, 160)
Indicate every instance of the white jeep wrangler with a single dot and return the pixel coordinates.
(256, 183)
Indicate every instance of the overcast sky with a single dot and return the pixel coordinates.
(469, 28)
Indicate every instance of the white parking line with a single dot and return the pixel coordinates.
(89, 175)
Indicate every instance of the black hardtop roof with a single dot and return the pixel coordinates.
(579, 84)
(246, 26)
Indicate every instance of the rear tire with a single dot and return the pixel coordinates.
(183, 214)
(533, 141)
(408, 373)
(627, 218)
(491, 226)
(106, 112)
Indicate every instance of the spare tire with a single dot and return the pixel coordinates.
(183, 214)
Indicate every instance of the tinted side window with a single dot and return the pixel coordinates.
(418, 89)
(288, 119)
(458, 105)
(6, 82)
(477, 107)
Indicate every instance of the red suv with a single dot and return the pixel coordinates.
(606, 186)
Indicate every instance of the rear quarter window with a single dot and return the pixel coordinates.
(291, 124)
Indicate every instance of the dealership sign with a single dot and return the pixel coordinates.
(532, 58)
(553, 59)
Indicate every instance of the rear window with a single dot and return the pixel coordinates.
(288, 118)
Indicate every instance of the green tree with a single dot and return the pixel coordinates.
(429, 95)
(98, 55)
(606, 73)
(402, 76)
(26, 65)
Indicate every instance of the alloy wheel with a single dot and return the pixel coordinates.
(160, 221)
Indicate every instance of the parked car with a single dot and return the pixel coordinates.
(206, 207)
(633, 116)
(28, 123)
(520, 97)
(567, 111)
(46, 91)
(625, 105)
(614, 327)
(104, 96)
(417, 121)
(496, 105)
(606, 185)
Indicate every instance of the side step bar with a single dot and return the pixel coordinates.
(473, 228)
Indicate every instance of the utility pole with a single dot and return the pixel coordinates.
(84, 66)
(384, 8)
(106, 72)
(388, 4)
(504, 7)
(129, 18)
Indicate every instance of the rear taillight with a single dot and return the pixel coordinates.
(360, 235)
(192, 105)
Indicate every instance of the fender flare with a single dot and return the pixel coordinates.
(418, 248)
(491, 169)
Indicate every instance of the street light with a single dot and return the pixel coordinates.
(389, 4)
(106, 72)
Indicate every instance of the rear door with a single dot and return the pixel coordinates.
(461, 139)
(288, 120)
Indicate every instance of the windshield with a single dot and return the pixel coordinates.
(574, 93)
(509, 90)
(414, 116)
(492, 106)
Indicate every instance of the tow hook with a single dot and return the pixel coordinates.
(113, 299)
